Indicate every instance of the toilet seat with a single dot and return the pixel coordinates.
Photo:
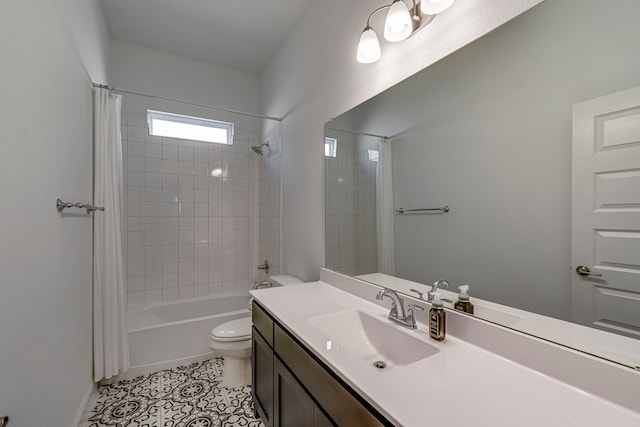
(233, 331)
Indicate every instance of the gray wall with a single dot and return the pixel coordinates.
(49, 49)
(489, 133)
(314, 76)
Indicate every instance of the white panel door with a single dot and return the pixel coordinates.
(606, 212)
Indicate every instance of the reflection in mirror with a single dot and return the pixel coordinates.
(531, 135)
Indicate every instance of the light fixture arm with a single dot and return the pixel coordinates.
(398, 26)
(415, 11)
(372, 13)
(415, 8)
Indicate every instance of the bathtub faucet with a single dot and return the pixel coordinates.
(261, 284)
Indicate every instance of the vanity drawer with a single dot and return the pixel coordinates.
(262, 322)
(338, 402)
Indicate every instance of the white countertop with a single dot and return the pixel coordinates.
(461, 385)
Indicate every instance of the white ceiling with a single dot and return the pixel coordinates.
(241, 34)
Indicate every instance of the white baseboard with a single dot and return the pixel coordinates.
(82, 408)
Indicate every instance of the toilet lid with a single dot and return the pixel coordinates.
(235, 330)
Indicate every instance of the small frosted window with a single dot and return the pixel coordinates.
(374, 155)
(330, 147)
(171, 125)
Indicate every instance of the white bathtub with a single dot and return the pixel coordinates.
(172, 334)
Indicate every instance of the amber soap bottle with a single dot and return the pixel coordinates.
(437, 320)
(463, 303)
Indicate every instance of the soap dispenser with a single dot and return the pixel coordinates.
(437, 319)
(463, 303)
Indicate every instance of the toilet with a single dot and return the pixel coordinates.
(232, 340)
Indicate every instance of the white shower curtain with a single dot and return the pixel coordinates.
(110, 349)
(384, 210)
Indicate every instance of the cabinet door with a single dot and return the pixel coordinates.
(293, 406)
(320, 419)
(262, 378)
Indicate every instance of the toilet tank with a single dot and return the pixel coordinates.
(285, 280)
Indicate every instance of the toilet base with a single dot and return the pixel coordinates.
(236, 372)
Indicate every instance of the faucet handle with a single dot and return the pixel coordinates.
(417, 307)
(439, 284)
(411, 319)
(420, 294)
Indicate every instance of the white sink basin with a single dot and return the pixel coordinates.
(370, 339)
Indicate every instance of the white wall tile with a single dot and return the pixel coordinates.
(170, 265)
(170, 252)
(135, 283)
(170, 294)
(136, 164)
(153, 179)
(170, 209)
(201, 290)
(136, 149)
(200, 277)
(153, 209)
(153, 194)
(154, 253)
(170, 280)
(185, 152)
(185, 167)
(170, 166)
(136, 133)
(192, 212)
(135, 299)
(153, 281)
(169, 181)
(154, 296)
(186, 251)
(153, 238)
(186, 292)
(185, 278)
(135, 179)
(154, 151)
(169, 152)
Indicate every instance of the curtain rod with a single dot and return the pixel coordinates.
(359, 133)
(115, 89)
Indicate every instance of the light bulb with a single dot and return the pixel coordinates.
(433, 7)
(369, 47)
(398, 25)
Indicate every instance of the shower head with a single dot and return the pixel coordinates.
(258, 148)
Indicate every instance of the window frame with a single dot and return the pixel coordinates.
(332, 143)
(228, 127)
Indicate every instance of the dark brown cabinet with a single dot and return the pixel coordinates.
(262, 378)
(293, 406)
(293, 389)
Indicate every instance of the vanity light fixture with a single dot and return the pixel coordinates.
(400, 24)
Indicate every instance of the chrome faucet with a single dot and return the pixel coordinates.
(261, 284)
(397, 313)
(439, 284)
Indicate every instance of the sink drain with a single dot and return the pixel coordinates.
(379, 364)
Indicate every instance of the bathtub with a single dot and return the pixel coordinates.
(172, 334)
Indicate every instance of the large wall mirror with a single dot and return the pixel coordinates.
(531, 136)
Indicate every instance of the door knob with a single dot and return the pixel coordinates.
(583, 270)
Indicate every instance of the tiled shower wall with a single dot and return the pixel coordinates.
(191, 216)
(340, 206)
(269, 200)
(350, 197)
(365, 205)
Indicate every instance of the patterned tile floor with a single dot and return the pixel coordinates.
(187, 396)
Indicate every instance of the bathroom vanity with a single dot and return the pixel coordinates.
(288, 381)
(315, 348)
